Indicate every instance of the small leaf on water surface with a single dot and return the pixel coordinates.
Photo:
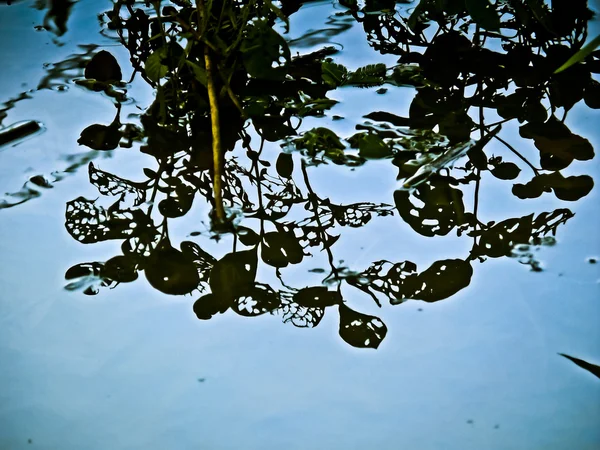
(103, 67)
(360, 330)
(592, 368)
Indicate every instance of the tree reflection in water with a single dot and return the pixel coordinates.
(474, 68)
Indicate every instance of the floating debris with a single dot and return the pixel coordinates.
(19, 131)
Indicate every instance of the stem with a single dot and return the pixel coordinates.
(216, 135)
(512, 149)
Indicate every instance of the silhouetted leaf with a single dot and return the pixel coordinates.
(86, 277)
(247, 236)
(103, 67)
(506, 171)
(256, 300)
(500, 239)
(440, 281)
(109, 184)
(370, 146)
(170, 271)
(280, 249)
(210, 304)
(591, 95)
(317, 296)
(592, 368)
(262, 48)
(100, 137)
(557, 145)
(570, 188)
(441, 208)
(285, 165)
(581, 54)
(232, 274)
(89, 223)
(484, 14)
(199, 72)
(361, 330)
(162, 60)
(122, 269)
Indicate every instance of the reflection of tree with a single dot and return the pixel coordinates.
(260, 87)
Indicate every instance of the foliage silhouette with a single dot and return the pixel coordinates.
(225, 78)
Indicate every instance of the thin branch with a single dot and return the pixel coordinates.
(512, 149)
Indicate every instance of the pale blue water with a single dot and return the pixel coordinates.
(121, 370)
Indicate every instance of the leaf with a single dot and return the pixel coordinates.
(370, 146)
(360, 330)
(100, 137)
(432, 209)
(484, 14)
(109, 184)
(569, 189)
(506, 171)
(171, 272)
(285, 165)
(262, 48)
(500, 239)
(558, 146)
(333, 74)
(591, 95)
(103, 67)
(367, 76)
(592, 368)
(88, 223)
(585, 51)
(209, 305)
(122, 269)
(247, 236)
(162, 60)
(233, 273)
(256, 300)
(317, 296)
(199, 72)
(440, 281)
(280, 249)
(280, 15)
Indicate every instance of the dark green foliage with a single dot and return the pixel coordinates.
(476, 58)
